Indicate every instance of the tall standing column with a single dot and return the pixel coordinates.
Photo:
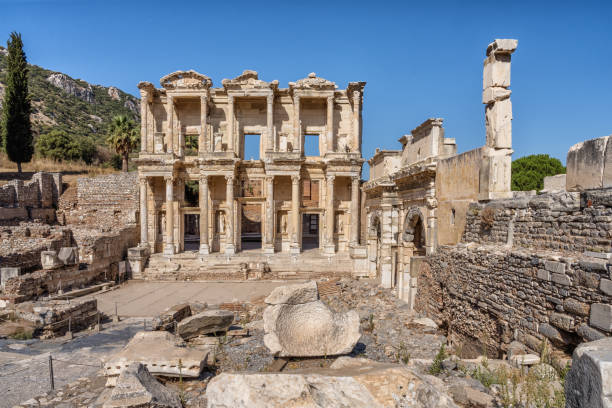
(229, 229)
(356, 121)
(144, 110)
(230, 123)
(269, 241)
(204, 247)
(330, 124)
(295, 214)
(203, 141)
(169, 246)
(144, 225)
(330, 245)
(170, 124)
(355, 211)
(297, 126)
(270, 123)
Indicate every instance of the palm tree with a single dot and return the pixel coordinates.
(123, 136)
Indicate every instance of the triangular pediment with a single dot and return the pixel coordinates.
(248, 80)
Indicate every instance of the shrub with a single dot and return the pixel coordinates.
(436, 367)
(59, 146)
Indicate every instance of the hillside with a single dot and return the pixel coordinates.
(73, 105)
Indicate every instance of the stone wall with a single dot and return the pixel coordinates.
(589, 165)
(528, 269)
(20, 246)
(20, 199)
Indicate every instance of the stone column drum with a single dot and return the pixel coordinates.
(330, 246)
(204, 246)
(143, 212)
(269, 231)
(230, 249)
(295, 214)
(169, 246)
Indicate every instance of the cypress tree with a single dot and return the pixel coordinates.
(16, 127)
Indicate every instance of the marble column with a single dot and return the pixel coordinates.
(144, 109)
(203, 143)
(297, 126)
(169, 245)
(355, 211)
(269, 238)
(330, 124)
(204, 247)
(230, 248)
(330, 215)
(144, 225)
(295, 214)
(270, 123)
(169, 124)
(356, 121)
(230, 123)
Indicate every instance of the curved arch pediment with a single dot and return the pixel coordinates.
(313, 82)
(249, 79)
(185, 79)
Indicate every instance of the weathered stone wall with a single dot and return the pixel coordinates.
(589, 165)
(26, 199)
(529, 268)
(102, 250)
(20, 246)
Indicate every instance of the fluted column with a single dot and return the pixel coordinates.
(170, 124)
(356, 121)
(355, 211)
(230, 123)
(229, 229)
(269, 238)
(169, 245)
(144, 225)
(297, 127)
(144, 110)
(330, 246)
(295, 214)
(330, 124)
(270, 123)
(204, 247)
(203, 144)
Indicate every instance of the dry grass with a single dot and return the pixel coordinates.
(70, 170)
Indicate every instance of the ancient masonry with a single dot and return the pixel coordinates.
(200, 194)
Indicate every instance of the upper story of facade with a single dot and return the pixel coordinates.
(190, 120)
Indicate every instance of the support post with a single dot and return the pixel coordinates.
(295, 214)
(330, 245)
(330, 124)
(51, 380)
(203, 143)
(230, 123)
(269, 211)
(356, 121)
(143, 212)
(204, 247)
(297, 126)
(355, 211)
(270, 122)
(170, 124)
(144, 109)
(169, 246)
(230, 248)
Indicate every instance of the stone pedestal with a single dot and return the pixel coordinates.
(136, 260)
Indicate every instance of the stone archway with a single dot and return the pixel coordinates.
(414, 229)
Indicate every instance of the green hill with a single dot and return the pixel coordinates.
(73, 105)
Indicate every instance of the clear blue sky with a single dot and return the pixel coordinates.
(420, 60)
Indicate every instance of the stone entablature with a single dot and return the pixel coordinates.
(194, 133)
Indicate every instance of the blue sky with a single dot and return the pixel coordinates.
(420, 60)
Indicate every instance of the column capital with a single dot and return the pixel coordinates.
(296, 98)
(356, 96)
(270, 99)
(330, 99)
(230, 98)
(355, 179)
(269, 179)
(204, 179)
(295, 179)
(169, 178)
(142, 178)
(229, 178)
(330, 178)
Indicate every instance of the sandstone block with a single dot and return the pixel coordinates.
(562, 321)
(502, 46)
(498, 124)
(171, 316)
(554, 183)
(557, 267)
(294, 294)
(561, 279)
(525, 359)
(160, 352)
(543, 274)
(358, 383)
(585, 164)
(554, 335)
(589, 382)
(8, 273)
(307, 329)
(49, 260)
(605, 286)
(136, 387)
(208, 321)
(69, 255)
(578, 308)
(588, 333)
(496, 71)
(493, 94)
(601, 316)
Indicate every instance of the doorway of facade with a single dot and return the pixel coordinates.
(250, 227)
(310, 231)
(191, 232)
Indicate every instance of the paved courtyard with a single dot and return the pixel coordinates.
(148, 299)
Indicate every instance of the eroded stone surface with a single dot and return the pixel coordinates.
(208, 321)
(589, 382)
(294, 294)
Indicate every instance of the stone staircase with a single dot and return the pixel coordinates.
(247, 265)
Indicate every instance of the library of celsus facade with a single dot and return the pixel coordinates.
(201, 195)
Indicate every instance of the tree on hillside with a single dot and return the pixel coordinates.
(16, 129)
(59, 146)
(123, 136)
(528, 172)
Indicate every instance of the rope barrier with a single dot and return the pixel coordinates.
(72, 362)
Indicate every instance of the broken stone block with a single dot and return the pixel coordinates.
(502, 46)
(8, 273)
(160, 352)
(171, 316)
(588, 333)
(69, 255)
(524, 360)
(136, 387)
(208, 321)
(553, 266)
(601, 316)
(585, 164)
(498, 124)
(562, 321)
(294, 294)
(309, 328)
(493, 94)
(589, 382)
(49, 260)
(349, 382)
